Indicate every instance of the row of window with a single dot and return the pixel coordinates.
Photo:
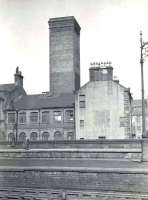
(45, 116)
(34, 136)
(82, 101)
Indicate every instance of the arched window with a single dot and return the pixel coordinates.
(70, 136)
(11, 137)
(45, 136)
(58, 135)
(33, 136)
(22, 137)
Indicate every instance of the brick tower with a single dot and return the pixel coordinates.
(64, 55)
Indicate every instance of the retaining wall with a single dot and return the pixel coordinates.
(99, 180)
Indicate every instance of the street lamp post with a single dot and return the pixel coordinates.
(142, 48)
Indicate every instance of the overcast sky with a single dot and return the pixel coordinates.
(109, 32)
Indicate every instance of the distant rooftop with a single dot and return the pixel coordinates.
(44, 101)
(7, 87)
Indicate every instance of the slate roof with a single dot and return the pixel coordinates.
(41, 101)
(7, 87)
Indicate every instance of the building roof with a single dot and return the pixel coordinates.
(41, 101)
(7, 87)
(113, 81)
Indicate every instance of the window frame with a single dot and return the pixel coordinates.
(21, 133)
(82, 101)
(54, 116)
(25, 116)
(37, 117)
(81, 123)
(56, 137)
(43, 115)
(33, 137)
(44, 137)
(11, 122)
(69, 118)
(70, 135)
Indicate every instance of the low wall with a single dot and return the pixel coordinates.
(118, 181)
(71, 153)
(100, 180)
(135, 150)
(51, 194)
(123, 143)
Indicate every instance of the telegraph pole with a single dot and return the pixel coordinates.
(142, 54)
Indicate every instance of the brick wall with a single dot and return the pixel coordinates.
(64, 55)
(76, 179)
(42, 194)
(75, 183)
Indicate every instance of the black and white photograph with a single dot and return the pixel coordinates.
(73, 99)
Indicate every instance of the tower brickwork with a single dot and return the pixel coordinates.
(64, 55)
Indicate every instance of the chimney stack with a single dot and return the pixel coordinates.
(101, 72)
(18, 78)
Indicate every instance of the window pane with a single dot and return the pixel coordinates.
(58, 116)
(81, 123)
(123, 121)
(22, 117)
(58, 135)
(45, 117)
(34, 116)
(82, 101)
(82, 104)
(22, 137)
(70, 136)
(45, 136)
(11, 117)
(11, 137)
(69, 115)
(33, 136)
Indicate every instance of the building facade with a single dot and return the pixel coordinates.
(99, 109)
(8, 94)
(39, 117)
(103, 107)
(47, 116)
(137, 118)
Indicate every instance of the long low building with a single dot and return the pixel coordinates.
(41, 117)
